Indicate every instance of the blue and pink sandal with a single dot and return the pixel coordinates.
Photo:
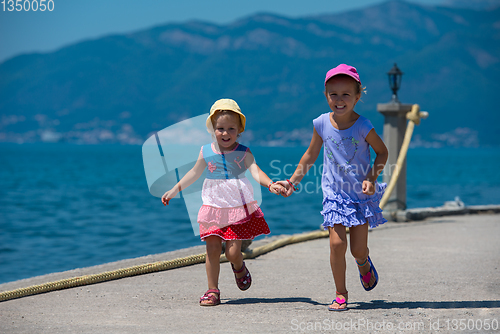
(340, 301)
(368, 276)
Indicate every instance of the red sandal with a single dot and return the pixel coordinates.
(213, 300)
(245, 281)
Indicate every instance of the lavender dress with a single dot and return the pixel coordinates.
(346, 163)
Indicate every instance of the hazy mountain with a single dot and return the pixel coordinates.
(123, 87)
(475, 4)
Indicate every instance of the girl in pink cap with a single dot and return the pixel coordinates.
(351, 193)
(229, 211)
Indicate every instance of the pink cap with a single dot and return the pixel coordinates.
(343, 69)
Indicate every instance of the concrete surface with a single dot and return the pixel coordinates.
(437, 275)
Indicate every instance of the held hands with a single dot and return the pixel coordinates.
(169, 195)
(368, 187)
(276, 188)
(287, 188)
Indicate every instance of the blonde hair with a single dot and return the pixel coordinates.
(220, 113)
(359, 88)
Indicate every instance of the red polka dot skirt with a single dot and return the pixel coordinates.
(248, 228)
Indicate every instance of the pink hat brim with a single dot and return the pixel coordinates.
(343, 69)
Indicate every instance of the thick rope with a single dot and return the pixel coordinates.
(414, 118)
(151, 267)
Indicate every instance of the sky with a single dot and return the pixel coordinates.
(72, 21)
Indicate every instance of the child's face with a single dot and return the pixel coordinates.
(227, 128)
(341, 94)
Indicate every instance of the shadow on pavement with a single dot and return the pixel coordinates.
(375, 304)
(272, 301)
(385, 305)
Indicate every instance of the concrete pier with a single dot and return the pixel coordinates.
(434, 275)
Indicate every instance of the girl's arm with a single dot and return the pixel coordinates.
(259, 175)
(380, 150)
(187, 180)
(305, 163)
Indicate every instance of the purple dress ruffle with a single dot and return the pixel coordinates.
(349, 212)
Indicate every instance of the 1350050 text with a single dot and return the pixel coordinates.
(27, 5)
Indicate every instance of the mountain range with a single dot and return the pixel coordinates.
(123, 88)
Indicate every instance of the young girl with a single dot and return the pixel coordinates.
(229, 211)
(351, 193)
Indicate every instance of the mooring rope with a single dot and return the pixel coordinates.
(150, 268)
(414, 118)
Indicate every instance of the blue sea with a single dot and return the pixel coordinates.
(66, 206)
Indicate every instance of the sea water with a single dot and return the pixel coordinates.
(66, 206)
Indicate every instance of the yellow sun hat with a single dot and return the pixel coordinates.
(226, 104)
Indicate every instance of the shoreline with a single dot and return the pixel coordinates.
(115, 265)
(418, 215)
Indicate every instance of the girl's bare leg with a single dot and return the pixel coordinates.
(359, 249)
(233, 254)
(212, 263)
(338, 248)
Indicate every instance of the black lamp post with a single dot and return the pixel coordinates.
(395, 75)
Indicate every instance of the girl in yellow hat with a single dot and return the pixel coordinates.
(229, 211)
